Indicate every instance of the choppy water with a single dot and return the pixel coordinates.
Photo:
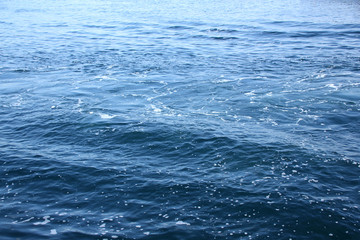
(180, 119)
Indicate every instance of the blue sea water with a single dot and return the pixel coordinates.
(140, 119)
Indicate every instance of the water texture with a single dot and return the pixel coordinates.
(180, 119)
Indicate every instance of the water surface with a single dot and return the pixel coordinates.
(179, 119)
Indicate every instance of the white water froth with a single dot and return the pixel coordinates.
(182, 223)
(106, 116)
(46, 221)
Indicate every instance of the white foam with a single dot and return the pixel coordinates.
(331, 85)
(182, 223)
(224, 81)
(155, 109)
(321, 75)
(26, 220)
(53, 232)
(46, 221)
(250, 93)
(106, 116)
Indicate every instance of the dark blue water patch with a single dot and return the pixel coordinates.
(222, 203)
(27, 10)
(179, 27)
(5, 23)
(214, 37)
(223, 30)
(99, 26)
(311, 34)
(57, 25)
